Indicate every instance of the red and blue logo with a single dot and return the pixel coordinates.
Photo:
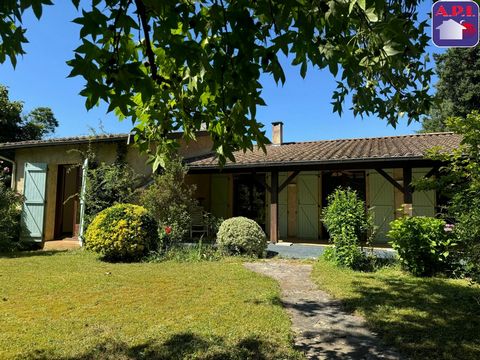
(455, 23)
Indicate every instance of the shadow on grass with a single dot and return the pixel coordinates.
(178, 346)
(426, 318)
(30, 253)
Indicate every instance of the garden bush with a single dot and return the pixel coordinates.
(347, 221)
(422, 244)
(170, 201)
(107, 185)
(241, 236)
(123, 232)
(10, 209)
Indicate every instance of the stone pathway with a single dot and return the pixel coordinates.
(322, 329)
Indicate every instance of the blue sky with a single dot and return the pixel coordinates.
(40, 79)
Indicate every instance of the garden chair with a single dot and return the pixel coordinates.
(198, 225)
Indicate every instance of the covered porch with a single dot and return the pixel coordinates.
(287, 201)
(285, 188)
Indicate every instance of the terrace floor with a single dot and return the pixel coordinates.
(65, 244)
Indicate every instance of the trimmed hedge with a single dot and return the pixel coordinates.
(241, 236)
(123, 232)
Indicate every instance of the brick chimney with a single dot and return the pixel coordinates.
(277, 133)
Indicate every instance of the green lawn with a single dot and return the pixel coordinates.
(73, 306)
(424, 318)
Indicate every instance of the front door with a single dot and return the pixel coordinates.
(67, 216)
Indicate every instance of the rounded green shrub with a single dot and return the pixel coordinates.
(240, 235)
(422, 243)
(123, 232)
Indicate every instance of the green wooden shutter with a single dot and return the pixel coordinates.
(423, 201)
(219, 195)
(282, 208)
(33, 214)
(307, 193)
(381, 194)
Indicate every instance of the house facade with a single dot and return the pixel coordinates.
(284, 189)
(49, 174)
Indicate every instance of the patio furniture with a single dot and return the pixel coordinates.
(198, 226)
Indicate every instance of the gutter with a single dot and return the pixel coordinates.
(14, 171)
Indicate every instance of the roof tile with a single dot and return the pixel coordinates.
(391, 147)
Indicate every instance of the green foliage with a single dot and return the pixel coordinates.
(454, 97)
(347, 222)
(423, 246)
(169, 311)
(10, 209)
(240, 235)
(178, 65)
(170, 200)
(186, 253)
(423, 318)
(35, 125)
(107, 185)
(123, 232)
(459, 181)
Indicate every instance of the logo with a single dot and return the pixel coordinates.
(455, 23)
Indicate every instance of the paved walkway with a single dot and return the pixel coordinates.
(322, 329)
(303, 251)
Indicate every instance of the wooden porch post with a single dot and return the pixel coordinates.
(274, 207)
(407, 191)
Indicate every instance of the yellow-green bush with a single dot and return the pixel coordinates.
(123, 232)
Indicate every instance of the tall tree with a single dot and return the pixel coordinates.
(187, 64)
(14, 126)
(458, 87)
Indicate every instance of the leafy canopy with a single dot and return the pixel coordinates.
(458, 87)
(17, 127)
(189, 65)
(459, 181)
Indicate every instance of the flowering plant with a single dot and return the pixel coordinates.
(4, 172)
(165, 236)
(448, 227)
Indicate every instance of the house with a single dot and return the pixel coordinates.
(284, 190)
(46, 172)
(451, 30)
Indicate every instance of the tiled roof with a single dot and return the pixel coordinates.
(405, 147)
(64, 141)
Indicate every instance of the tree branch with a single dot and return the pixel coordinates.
(142, 13)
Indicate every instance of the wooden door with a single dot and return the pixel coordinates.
(307, 217)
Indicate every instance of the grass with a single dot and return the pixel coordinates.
(425, 318)
(70, 305)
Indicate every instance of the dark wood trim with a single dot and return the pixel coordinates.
(407, 185)
(288, 180)
(324, 166)
(433, 171)
(390, 180)
(274, 207)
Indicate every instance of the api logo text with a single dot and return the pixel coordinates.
(455, 23)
